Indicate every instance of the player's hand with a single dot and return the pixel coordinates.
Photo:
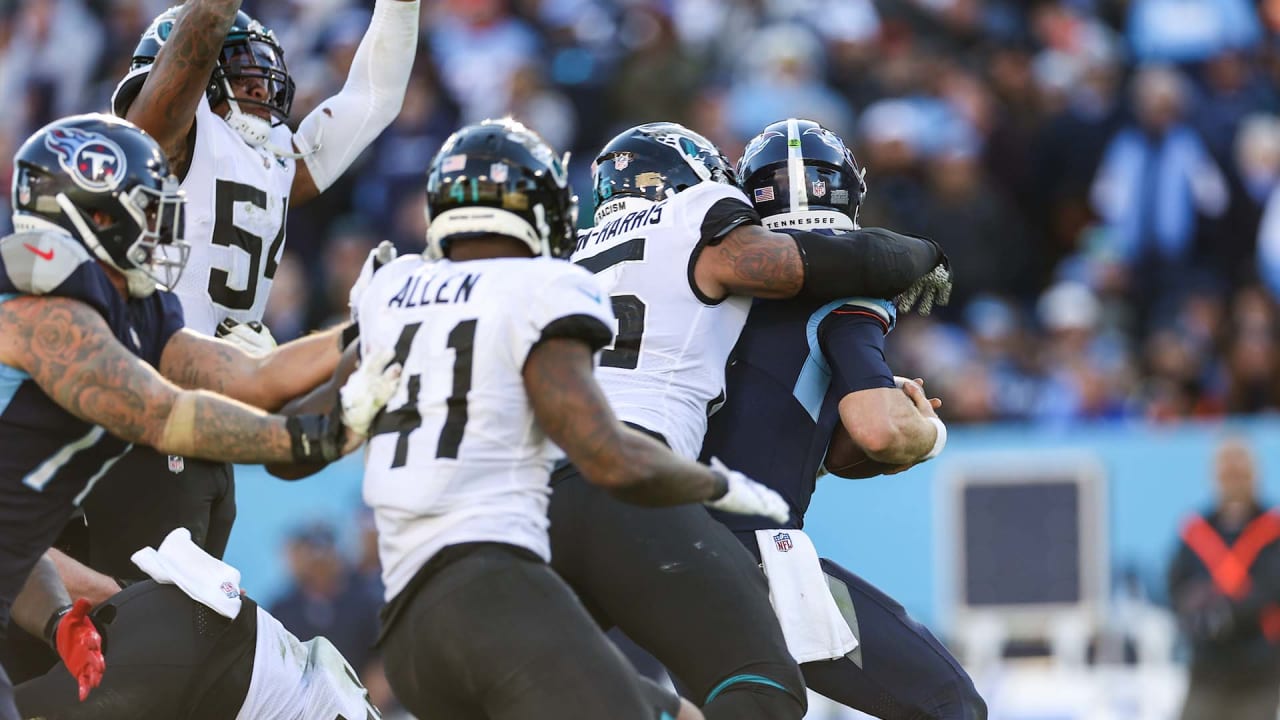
(914, 389)
(379, 256)
(368, 390)
(252, 337)
(80, 645)
(747, 497)
(934, 288)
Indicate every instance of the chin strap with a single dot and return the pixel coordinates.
(256, 132)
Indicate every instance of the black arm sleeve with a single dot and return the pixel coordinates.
(870, 262)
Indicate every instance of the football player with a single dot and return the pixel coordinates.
(210, 83)
(498, 339)
(93, 353)
(805, 372)
(192, 646)
(681, 251)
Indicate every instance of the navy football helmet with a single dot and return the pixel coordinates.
(500, 178)
(797, 166)
(655, 160)
(107, 183)
(249, 52)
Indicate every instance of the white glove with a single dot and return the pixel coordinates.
(369, 389)
(379, 256)
(748, 497)
(251, 337)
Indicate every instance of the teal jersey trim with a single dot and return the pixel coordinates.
(744, 679)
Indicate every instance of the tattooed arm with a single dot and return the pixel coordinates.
(68, 350)
(166, 105)
(868, 262)
(318, 400)
(199, 362)
(571, 409)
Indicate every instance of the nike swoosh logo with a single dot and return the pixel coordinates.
(45, 254)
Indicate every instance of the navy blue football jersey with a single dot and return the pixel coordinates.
(794, 362)
(50, 459)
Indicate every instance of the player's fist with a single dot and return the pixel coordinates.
(252, 337)
(79, 644)
(379, 256)
(369, 389)
(745, 496)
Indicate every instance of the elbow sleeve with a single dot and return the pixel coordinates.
(337, 131)
(870, 262)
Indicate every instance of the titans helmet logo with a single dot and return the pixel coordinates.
(757, 144)
(93, 161)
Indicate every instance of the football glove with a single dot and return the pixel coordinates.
(79, 642)
(379, 256)
(933, 289)
(252, 337)
(369, 389)
(745, 496)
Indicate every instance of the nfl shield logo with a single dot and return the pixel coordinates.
(499, 172)
(229, 590)
(621, 161)
(819, 188)
(783, 541)
(24, 188)
(177, 464)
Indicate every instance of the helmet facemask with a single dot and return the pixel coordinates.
(255, 60)
(159, 253)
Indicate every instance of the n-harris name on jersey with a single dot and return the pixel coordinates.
(434, 290)
(651, 215)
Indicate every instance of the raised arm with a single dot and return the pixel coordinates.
(68, 350)
(166, 105)
(199, 362)
(340, 128)
(872, 262)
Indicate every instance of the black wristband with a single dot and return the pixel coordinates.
(314, 438)
(349, 334)
(869, 262)
(51, 626)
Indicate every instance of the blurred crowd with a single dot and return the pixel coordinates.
(1103, 173)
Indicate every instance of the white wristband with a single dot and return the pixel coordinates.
(939, 442)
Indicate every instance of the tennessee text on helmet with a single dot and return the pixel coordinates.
(107, 183)
(654, 161)
(500, 178)
(800, 174)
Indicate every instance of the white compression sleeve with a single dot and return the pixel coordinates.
(337, 131)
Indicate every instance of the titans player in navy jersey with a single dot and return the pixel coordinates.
(93, 354)
(805, 372)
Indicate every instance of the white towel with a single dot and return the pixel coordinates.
(811, 623)
(204, 578)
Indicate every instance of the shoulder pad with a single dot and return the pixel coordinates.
(37, 262)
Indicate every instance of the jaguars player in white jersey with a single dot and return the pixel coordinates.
(210, 84)
(681, 251)
(497, 339)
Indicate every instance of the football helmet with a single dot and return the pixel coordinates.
(107, 183)
(655, 160)
(249, 53)
(796, 168)
(500, 178)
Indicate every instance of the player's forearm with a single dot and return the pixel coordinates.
(166, 104)
(41, 596)
(298, 367)
(870, 262)
(887, 426)
(643, 471)
(81, 580)
(317, 401)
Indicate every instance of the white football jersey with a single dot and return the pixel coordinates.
(237, 197)
(665, 370)
(457, 456)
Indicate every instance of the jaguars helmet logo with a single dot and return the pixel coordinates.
(93, 161)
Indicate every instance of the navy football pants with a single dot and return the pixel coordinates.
(899, 671)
